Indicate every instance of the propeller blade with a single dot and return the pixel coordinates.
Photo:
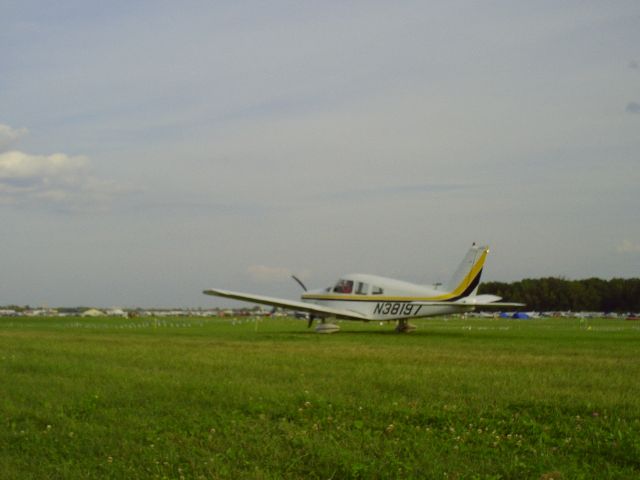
(299, 282)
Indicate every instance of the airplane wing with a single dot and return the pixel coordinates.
(287, 304)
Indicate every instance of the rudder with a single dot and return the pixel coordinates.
(466, 278)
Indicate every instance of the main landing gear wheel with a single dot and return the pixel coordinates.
(324, 327)
(404, 326)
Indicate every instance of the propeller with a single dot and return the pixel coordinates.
(311, 318)
(299, 282)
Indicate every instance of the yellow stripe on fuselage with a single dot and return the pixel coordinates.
(475, 270)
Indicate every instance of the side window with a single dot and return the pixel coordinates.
(377, 290)
(343, 286)
(362, 288)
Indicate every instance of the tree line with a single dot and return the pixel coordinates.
(558, 294)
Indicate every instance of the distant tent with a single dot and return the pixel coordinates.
(505, 315)
(521, 316)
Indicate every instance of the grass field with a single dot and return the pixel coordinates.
(224, 398)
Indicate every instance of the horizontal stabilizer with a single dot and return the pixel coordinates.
(481, 299)
(474, 301)
(499, 304)
(487, 301)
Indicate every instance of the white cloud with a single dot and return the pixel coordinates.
(8, 135)
(627, 246)
(58, 180)
(23, 168)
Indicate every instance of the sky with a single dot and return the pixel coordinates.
(152, 149)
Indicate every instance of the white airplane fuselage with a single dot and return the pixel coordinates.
(381, 298)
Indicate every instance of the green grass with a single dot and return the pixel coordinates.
(221, 398)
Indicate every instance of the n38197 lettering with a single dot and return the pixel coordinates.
(396, 308)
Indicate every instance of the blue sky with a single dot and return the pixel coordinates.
(149, 150)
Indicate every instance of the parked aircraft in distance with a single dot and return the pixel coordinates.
(367, 298)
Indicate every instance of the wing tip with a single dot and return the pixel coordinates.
(213, 291)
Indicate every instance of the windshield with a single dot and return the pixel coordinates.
(343, 286)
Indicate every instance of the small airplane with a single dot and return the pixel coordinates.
(368, 298)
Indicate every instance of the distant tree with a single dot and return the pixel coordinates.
(552, 293)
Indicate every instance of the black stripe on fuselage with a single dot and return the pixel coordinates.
(469, 290)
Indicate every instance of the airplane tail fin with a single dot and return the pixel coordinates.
(466, 278)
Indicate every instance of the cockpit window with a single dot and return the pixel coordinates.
(343, 286)
(376, 290)
(362, 288)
